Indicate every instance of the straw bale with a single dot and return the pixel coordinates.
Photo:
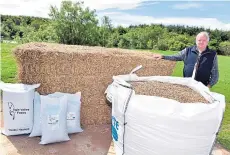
(96, 114)
(72, 68)
(177, 92)
(96, 64)
(71, 84)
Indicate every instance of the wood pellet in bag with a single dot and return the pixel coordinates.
(176, 92)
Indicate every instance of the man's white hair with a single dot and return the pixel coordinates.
(204, 33)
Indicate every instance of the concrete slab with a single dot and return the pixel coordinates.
(95, 140)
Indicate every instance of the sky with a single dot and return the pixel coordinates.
(208, 14)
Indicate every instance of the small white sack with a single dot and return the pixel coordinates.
(73, 111)
(36, 131)
(17, 108)
(54, 125)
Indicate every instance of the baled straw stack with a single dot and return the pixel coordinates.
(70, 68)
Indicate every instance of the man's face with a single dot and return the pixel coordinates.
(201, 42)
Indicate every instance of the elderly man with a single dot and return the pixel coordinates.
(200, 62)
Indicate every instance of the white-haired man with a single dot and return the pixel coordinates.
(199, 61)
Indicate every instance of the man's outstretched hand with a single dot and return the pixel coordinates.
(157, 56)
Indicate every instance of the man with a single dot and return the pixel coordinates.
(200, 62)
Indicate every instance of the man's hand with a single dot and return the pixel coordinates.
(209, 86)
(157, 56)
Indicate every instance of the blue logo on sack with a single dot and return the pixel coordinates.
(115, 126)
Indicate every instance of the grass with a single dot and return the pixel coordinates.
(8, 63)
(222, 87)
(9, 72)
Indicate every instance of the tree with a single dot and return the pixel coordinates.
(113, 40)
(225, 47)
(12, 25)
(9, 29)
(105, 30)
(74, 24)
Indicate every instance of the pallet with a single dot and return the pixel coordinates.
(111, 149)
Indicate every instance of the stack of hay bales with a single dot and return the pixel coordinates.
(71, 68)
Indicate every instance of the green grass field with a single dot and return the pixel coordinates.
(9, 72)
(8, 63)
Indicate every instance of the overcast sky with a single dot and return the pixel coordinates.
(208, 14)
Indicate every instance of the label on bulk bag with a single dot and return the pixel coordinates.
(115, 127)
(53, 122)
(71, 117)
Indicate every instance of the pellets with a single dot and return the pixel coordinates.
(176, 92)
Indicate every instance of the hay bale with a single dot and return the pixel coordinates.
(71, 68)
(177, 92)
(95, 114)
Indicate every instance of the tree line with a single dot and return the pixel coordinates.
(78, 25)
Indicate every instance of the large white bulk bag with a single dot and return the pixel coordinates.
(151, 125)
(17, 108)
